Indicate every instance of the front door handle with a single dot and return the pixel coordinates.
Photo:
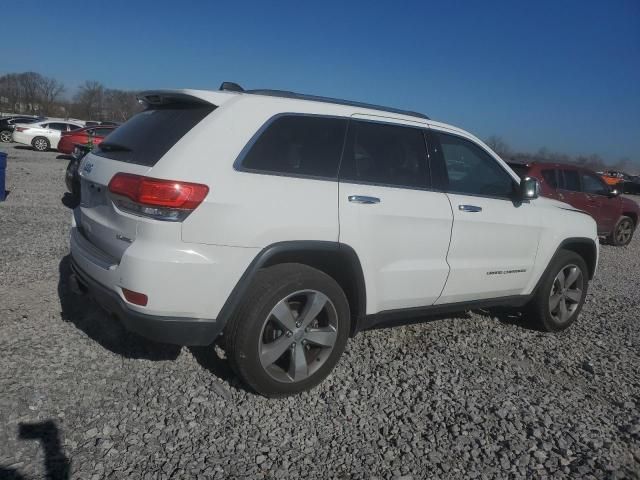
(469, 208)
(363, 199)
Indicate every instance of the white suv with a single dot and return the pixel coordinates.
(285, 223)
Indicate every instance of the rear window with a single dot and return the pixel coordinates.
(102, 132)
(147, 136)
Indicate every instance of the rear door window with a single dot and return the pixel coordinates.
(550, 177)
(571, 180)
(61, 127)
(147, 136)
(298, 145)
(385, 154)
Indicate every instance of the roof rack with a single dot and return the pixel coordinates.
(234, 87)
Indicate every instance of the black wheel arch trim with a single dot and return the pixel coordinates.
(591, 262)
(270, 255)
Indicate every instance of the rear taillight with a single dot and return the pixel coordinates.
(170, 200)
(22, 129)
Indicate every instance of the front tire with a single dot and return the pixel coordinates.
(41, 144)
(560, 297)
(623, 232)
(290, 330)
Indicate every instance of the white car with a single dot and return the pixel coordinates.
(43, 135)
(289, 222)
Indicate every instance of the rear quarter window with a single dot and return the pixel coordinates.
(147, 136)
(298, 145)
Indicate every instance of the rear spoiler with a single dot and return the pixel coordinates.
(194, 97)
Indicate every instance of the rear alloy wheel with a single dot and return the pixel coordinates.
(559, 297)
(623, 233)
(40, 144)
(5, 136)
(289, 330)
(297, 336)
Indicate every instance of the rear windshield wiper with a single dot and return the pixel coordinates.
(113, 147)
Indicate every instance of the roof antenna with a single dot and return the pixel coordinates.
(231, 87)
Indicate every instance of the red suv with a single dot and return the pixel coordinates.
(81, 136)
(616, 216)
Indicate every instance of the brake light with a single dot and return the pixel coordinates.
(22, 129)
(157, 198)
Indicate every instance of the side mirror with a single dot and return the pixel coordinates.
(529, 188)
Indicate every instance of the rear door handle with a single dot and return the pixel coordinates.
(469, 208)
(363, 199)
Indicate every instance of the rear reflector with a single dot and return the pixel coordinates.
(135, 297)
(162, 199)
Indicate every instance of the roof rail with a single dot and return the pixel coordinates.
(231, 87)
(234, 87)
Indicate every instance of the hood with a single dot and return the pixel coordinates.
(556, 203)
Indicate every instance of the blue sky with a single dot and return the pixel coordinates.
(558, 74)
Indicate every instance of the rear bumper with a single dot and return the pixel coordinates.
(174, 330)
(21, 137)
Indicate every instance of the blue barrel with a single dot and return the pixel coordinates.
(3, 171)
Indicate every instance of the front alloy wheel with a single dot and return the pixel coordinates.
(559, 297)
(566, 293)
(623, 232)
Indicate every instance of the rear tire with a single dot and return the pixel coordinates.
(5, 136)
(560, 297)
(41, 144)
(290, 330)
(622, 232)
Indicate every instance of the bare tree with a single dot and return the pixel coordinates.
(49, 92)
(10, 91)
(119, 105)
(89, 100)
(30, 85)
(498, 145)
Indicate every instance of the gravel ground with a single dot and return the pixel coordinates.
(475, 396)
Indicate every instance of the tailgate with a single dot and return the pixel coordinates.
(133, 148)
(101, 223)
